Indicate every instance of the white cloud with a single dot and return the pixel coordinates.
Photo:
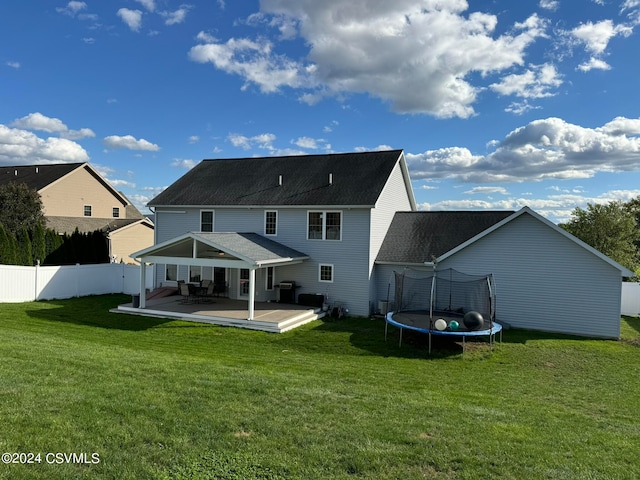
(129, 142)
(194, 139)
(40, 122)
(556, 207)
(596, 36)
(133, 18)
(543, 149)
(594, 64)
(536, 82)
(185, 163)
(487, 190)
(72, 8)
(549, 4)
(177, 16)
(150, 5)
(263, 141)
(122, 183)
(417, 55)
(20, 147)
(15, 65)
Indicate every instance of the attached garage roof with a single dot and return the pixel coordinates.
(419, 237)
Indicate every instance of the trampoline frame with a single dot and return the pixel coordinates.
(490, 332)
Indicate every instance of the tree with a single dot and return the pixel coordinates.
(610, 229)
(7, 247)
(25, 251)
(38, 244)
(20, 206)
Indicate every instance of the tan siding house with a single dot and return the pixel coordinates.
(76, 196)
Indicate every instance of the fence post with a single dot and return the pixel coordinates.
(36, 286)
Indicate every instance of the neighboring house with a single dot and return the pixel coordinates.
(339, 225)
(333, 210)
(76, 196)
(545, 278)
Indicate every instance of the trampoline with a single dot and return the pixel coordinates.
(446, 303)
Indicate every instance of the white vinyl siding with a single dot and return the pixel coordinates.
(544, 281)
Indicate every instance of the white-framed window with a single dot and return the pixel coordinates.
(171, 273)
(115, 212)
(206, 220)
(244, 282)
(324, 225)
(195, 273)
(87, 210)
(269, 278)
(270, 222)
(325, 272)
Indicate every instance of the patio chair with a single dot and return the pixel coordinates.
(206, 294)
(188, 295)
(220, 288)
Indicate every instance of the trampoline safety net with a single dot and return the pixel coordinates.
(445, 291)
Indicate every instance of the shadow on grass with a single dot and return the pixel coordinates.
(92, 311)
(368, 335)
(633, 322)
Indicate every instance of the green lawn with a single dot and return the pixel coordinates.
(177, 400)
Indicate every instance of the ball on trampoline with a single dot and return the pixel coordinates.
(454, 325)
(441, 324)
(473, 320)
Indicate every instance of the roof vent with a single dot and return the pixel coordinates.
(331, 179)
(280, 180)
(15, 172)
(36, 169)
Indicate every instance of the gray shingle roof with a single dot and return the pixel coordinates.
(357, 179)
(68, 225)
(36, 176)
(250, 246)
(418, 237)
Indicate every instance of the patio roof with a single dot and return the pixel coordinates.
(226, 249)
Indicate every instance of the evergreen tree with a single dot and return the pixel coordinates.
(25, 252)
(38, 244)
(20, 206)
(7, 252)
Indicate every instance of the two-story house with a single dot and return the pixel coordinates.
(75, 196)
(341, 225)
(314, 223)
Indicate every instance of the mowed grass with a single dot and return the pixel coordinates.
(176, 400)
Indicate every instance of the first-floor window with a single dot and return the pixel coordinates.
(244, 281)
(326, 272)
(171, 273)
(195, 273)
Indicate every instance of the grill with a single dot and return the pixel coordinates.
(287, 292)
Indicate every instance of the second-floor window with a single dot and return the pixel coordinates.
(206, 221)
(271, 222)
(87, 210)
(324, 225)
(116, 212)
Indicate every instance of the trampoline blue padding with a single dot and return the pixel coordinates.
(420, 321)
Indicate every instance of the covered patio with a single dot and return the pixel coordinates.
(247, 252)
(268, 316)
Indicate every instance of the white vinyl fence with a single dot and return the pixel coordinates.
(630, 299)
(26, 284)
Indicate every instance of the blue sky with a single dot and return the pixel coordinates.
(497, 104)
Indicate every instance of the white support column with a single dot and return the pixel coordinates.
(143, 284)
(252, 292)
